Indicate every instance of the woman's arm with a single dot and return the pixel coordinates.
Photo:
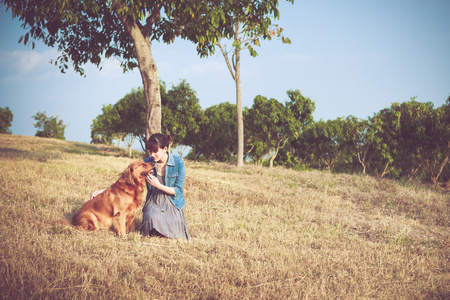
(153, 181)
(179, 182)
(178, 187)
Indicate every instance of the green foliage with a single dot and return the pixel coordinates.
(249, 23)
(131, 113)
(322, 143)
(270, 124)
(130, 123)
(216, 139)
(301, 107)
(86, 31)
(6, 118)
(423, 135)
(125, 120)
(360, 136)
(408, 140)
(267, 121)
(103, 128)
(182, 114)
(49, 127)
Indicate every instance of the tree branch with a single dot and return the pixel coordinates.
(151, 19)
(225, 55)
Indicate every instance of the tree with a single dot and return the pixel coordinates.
(217, 133)
(6, 118)
(251, 21)
(130, 123)
(125, 120)
(425, 133)
(323, 143)
(362, 140)
(413, 139)
(270, 124)
(386, 124)
(103, 128)
(49, 127)
(302, 109)
(181, 113)
(92, 30)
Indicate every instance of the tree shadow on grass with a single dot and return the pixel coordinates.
(71, 148)
(11, 153)
(94, 149)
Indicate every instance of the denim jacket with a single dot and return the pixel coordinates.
(175, 174)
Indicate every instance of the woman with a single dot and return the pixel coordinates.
(163, 212)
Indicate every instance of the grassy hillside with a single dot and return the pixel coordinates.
(256, 233)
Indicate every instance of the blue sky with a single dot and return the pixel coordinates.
(351, 57)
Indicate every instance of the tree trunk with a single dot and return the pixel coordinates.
(280, 145)
(271, 159)
(129, 141)
(386, 170)
(150, 77)
(362, 161)
(273, 155)
(237, 78)
(240, 119)
(434, 170)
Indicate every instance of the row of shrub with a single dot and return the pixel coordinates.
(407, 140)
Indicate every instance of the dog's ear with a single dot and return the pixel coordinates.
(127, 175)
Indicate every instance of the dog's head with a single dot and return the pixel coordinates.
(136, 172)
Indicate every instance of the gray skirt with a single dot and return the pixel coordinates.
(162, 217)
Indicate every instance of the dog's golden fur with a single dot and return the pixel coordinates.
(115, 208)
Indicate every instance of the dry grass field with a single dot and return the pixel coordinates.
(256, 233)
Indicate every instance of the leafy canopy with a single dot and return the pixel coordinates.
(181, 113)
(6, 118)
(49, 127)
(181, 116)
(89, 30)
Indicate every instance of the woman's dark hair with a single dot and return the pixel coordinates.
(157, 141)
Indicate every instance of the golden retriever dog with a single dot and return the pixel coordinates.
(115, 208)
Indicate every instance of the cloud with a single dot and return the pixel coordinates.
(208, 68)
(26, 61)
(19, 65)
(110, 69)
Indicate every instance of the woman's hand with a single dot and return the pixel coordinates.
(153, 181)
(94, 194)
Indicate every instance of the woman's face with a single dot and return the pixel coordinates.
(157, 156)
